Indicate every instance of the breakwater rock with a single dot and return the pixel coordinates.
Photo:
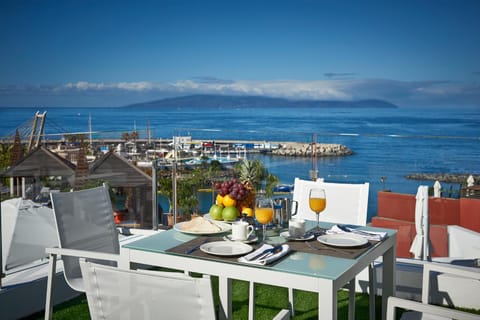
(295, 149)
(443, 177)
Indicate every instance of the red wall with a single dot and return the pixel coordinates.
(402, 207)
(397, 211)
(470, 213)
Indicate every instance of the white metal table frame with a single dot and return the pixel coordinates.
(326, 286)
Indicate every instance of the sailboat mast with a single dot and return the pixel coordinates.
(148, 132)
(90, 128)
(314, 174)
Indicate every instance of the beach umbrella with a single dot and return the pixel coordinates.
(437, 187)
(470, 181)
(420, 244)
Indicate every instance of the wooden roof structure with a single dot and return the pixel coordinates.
(111, 167)
(118, 172)
(41, 162)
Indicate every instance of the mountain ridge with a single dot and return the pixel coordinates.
(231, 101)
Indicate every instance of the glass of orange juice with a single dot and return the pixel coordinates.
(264, 213)
(317, 202)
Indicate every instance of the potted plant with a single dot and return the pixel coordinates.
(187, 196)
(165, 185)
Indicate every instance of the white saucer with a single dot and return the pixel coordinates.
(307, 236)
(252, 238)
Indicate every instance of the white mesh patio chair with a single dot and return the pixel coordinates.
(85, 228)
(347, 204)
(425, 310)
(114, 293)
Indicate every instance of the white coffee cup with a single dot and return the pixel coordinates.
(296, 228)
(241, 230)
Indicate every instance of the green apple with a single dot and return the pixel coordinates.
(230, 213)
(216, 212)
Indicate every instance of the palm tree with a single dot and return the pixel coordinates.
(134, 135)
(125, 136)
(17, 151)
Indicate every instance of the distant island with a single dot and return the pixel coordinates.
(228, 101)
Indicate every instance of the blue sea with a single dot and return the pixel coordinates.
(388, 143)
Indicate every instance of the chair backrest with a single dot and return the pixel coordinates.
(84, 221)
(301, 188)
(346, 203)
(114, 293)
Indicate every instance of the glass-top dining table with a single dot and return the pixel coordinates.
(310, 270)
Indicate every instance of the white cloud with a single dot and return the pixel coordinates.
(127, 86)
(281, 88)
(403, 93)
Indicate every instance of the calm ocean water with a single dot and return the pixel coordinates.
(387, 142)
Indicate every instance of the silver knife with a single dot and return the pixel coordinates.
(265, 252)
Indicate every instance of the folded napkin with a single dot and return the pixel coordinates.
(367, 234)
(263, 260)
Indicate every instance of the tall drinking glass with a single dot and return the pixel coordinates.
(317, 202)
(264, 213)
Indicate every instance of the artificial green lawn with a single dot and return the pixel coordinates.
(269, 300)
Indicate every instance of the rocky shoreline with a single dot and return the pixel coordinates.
(443, 177)
(296, 149)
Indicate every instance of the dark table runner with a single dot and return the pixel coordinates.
(316, 247)
(195, 243)
(312, 246)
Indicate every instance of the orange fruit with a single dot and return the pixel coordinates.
(248, 212)
(219, 199)
(228, 201)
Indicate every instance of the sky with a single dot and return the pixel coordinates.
(94, 53)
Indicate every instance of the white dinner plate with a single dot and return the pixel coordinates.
(342, 240)
(226, 248)
(224, 227)
(252, 238)
(307, 236)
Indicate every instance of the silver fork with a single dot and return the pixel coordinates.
(357, 231)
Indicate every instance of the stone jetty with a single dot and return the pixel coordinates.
(296, 149)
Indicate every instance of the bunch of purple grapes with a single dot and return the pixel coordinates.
(232, 187)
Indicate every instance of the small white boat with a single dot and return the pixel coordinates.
(283, 188)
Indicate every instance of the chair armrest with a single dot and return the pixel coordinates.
(462, 271)
(83, 254)
(458, 271)
(394, 302)
(128, 231)
(284, 314)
